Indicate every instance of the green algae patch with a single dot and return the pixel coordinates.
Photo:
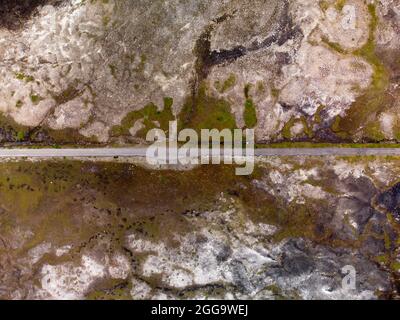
(56, 138)
(286, 131)
(35, 98)
(365, 110)
(317, 119)
(324, 5)
(339, 4)
(297, 221)
(250, 112)
(204, 111)
(17, 191)
(14, 131)
(334, 46)
(303, 144)
(113, 70)
(287, 128)
(19, 104)
(68, 202)
(373, 132)
(20, 135)
(111, 290)
(226, 85)
(337, 128)
(94, 206)
(150, 116)
(24, 77)
(70, 93)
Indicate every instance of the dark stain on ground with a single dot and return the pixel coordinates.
(14, 13)
(206, 58)
(390, 200)
(88, 204)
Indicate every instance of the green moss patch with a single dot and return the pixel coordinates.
(24, 77)
(206, 112)
(339, 5)
(250, 114)
(68, 202)
(93, 206)
(334, 46)
(12, 130)
(151, 117)
(364, 112)
(287, 129)
(225, 85)
(35, 98)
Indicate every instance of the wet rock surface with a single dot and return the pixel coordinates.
(288, 231)
(391, 201)
(293, 70)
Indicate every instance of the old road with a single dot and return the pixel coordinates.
(141, 152)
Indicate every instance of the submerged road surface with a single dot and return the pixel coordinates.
(141, 152)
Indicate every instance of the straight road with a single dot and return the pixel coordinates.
(141, 152)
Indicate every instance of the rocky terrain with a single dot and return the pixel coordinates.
(119, 230)
(105, 71)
